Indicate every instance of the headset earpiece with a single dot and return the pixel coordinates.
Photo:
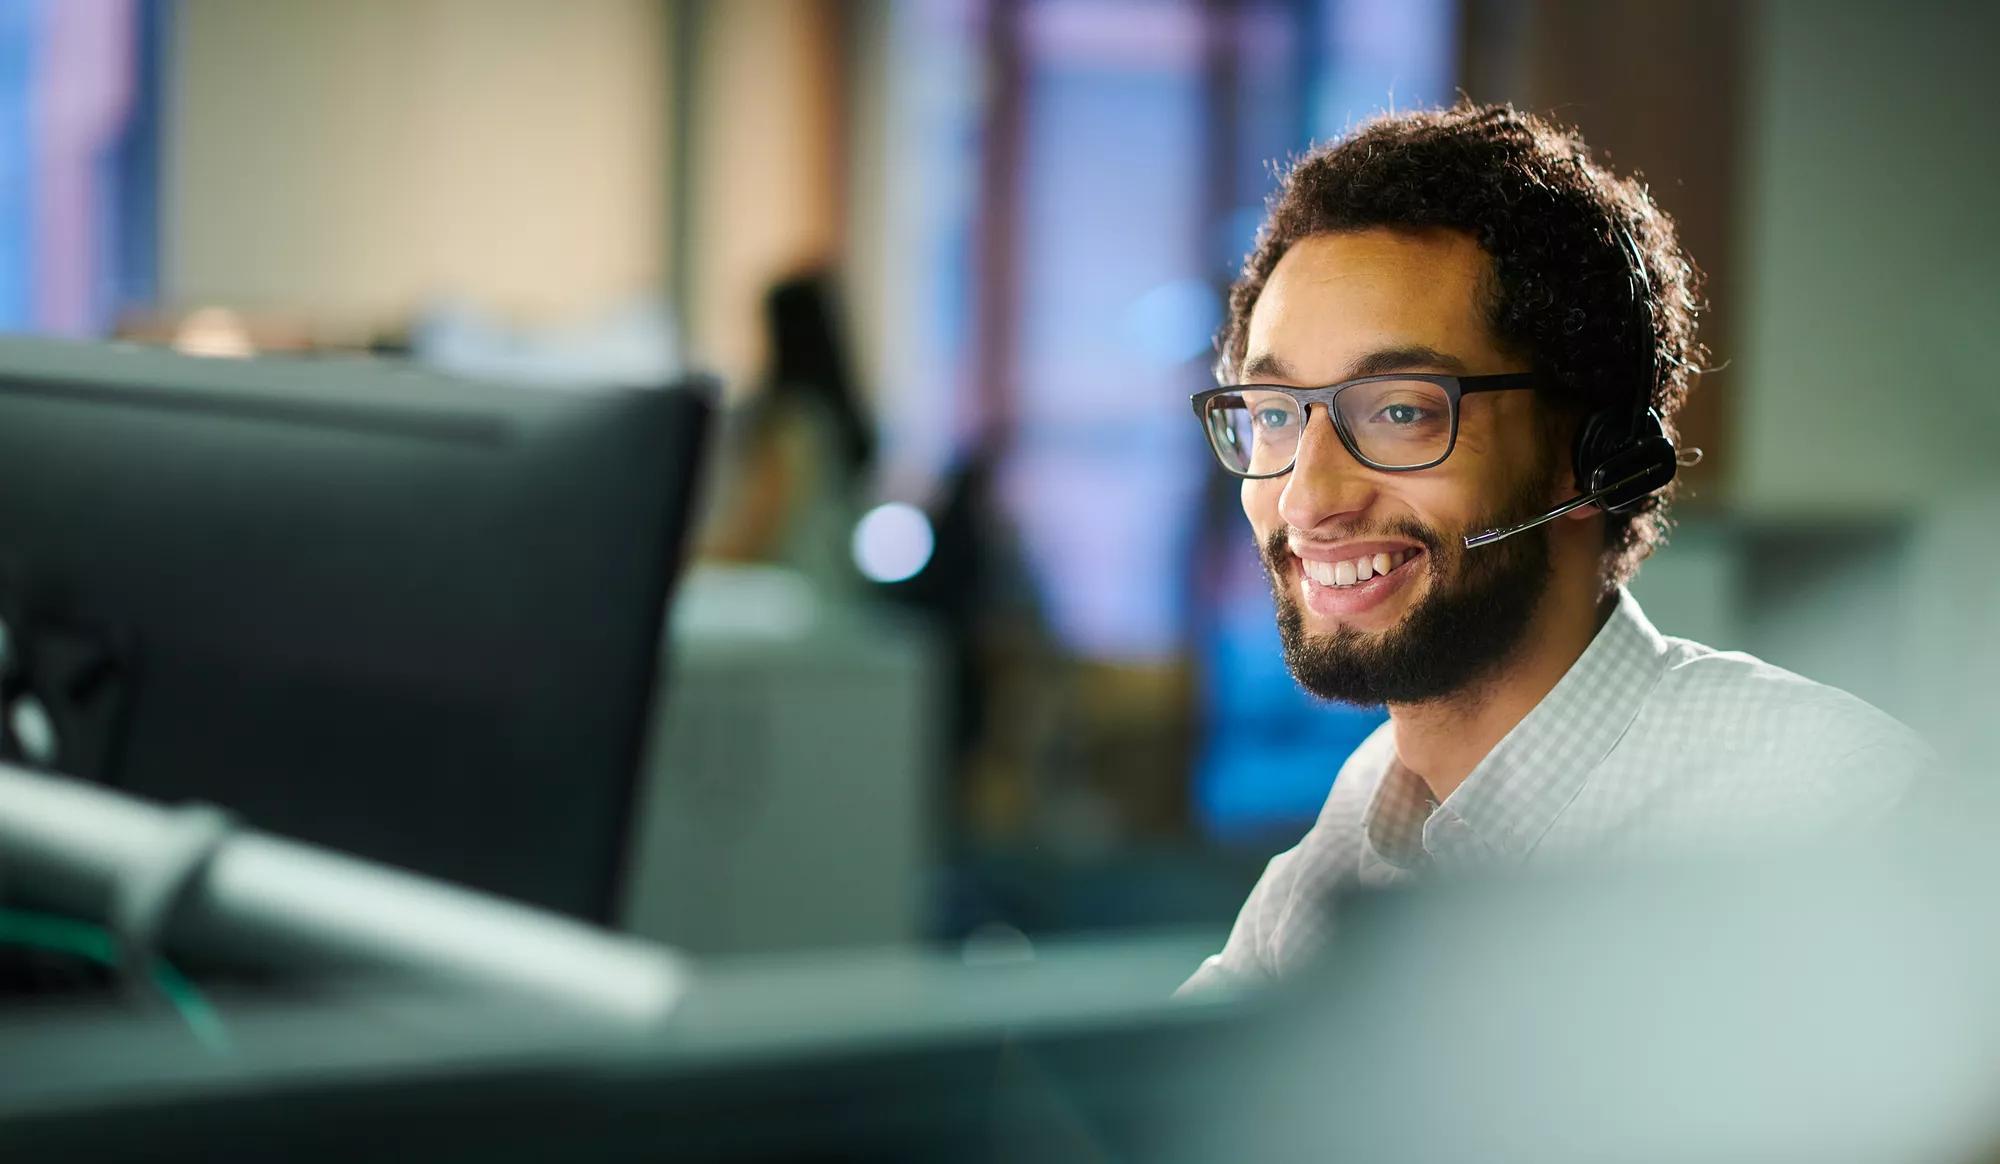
(1604, 434)
(1633, 469)
(1624, 453)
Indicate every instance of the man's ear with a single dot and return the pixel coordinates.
(1560, 429)
(1567, 488)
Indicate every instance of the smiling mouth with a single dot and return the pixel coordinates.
(1351, 572)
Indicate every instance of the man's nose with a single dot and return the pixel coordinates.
(1326, 484)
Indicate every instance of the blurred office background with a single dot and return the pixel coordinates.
(977, 646)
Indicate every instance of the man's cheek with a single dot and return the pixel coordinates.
(1260, 505)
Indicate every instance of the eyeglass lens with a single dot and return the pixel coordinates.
(1390, 424)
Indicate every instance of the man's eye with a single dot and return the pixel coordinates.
(1401, 414)
(1273, 418)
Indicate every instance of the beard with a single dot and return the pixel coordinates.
(1473, 617)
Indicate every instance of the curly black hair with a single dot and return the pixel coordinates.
(1560, 293)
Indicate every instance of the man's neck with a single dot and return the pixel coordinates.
(1444, 740)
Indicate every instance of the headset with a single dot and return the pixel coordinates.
(1622, 454)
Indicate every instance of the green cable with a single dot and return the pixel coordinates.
(45, 931)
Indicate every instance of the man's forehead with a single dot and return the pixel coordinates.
(1337, 302)
(1262, 365)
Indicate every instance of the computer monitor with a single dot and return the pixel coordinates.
(405, 616)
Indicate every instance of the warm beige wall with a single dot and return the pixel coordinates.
(765, 187)
(347, 159)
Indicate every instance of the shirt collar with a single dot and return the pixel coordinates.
(1512, 797)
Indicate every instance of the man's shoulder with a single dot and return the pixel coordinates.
(1708, 689)
(1328, 853)
(1267, 933)
(1729, 733)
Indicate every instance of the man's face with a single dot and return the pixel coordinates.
(1344, 305)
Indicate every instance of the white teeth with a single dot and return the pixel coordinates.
(1354, 570)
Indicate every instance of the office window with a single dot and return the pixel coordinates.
(79, 83)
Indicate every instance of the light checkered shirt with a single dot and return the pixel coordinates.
(1649, 745)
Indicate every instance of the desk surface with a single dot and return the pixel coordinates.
(897, 1044)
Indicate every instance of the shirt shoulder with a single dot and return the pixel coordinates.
(1728, 746)
(1737, 693)
(1278, 918)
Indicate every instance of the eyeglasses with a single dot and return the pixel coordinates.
(1397, 423)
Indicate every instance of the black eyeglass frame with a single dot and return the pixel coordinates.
(1455, 387)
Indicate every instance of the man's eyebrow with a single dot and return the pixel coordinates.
(1406, 358)
(1265, 366)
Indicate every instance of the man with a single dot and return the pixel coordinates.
(1456, 323)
